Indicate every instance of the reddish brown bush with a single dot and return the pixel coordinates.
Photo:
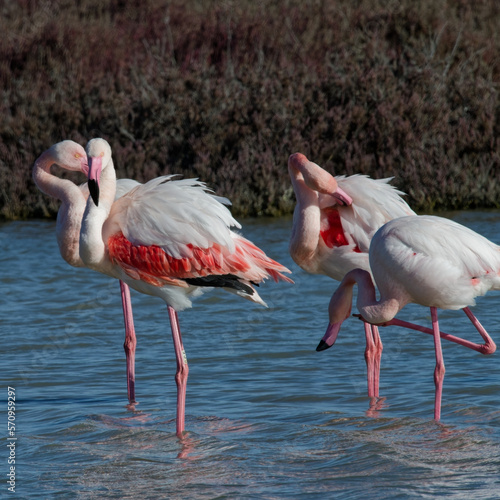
(226, 90)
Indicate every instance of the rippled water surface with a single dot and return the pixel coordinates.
(267, 416)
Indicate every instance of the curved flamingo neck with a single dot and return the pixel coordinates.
(305, 231)
(306, 217)
(92, 246)
(69, 216)
(48, 183)
(372, 310)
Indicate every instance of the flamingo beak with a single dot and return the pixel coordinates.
(342, 197)
(94, 176)
(84, 165)
(330, 337)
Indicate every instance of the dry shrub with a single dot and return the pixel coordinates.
(226, 90)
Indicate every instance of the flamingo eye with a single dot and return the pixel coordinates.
(78, 155)
(102, 154)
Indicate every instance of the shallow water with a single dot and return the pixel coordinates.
(267, 416)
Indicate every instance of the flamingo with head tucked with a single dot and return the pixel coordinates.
(169, 238)
(428, 260)
(333, 223)
(71, 156)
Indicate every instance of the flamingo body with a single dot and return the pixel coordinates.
(333, 223)
(434, 262)
(428, 260)
(171, 238)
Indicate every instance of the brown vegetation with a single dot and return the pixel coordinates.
(226, 90)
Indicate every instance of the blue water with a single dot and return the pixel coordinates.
(267, 416)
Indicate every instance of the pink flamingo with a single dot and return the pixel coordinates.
(169, 238)
(428, 260)
(333, 223)
(71, 156)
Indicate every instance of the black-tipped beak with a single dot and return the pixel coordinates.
(322, 346)
(329, 337)
(94, 190)
(94, 176)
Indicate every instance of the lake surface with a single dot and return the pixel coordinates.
(267, 416)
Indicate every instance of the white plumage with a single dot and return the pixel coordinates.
(173, 213)
(434, 261)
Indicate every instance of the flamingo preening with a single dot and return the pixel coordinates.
(71, 156)
(333, 223)
(428, 260)
(169, 238)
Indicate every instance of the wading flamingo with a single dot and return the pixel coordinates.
(168, 238)
(333, 226)
(428, 260)
(71, 156)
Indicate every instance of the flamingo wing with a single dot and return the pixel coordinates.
(175, 232)
(438, 261)
(172, 214)
(123, 186)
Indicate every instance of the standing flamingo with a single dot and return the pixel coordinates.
(168, 238)
(71, 156)
(333, 223)
(428, 260)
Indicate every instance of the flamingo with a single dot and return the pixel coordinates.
(71, 156)
(333, 223)
(428, 260)
(169, 238)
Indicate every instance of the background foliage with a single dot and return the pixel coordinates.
(226, 90)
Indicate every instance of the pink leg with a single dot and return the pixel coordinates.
(373, 353)
(181, 374)
(439, 370)
(488, 347)
(369, 351)
(369, 355)
(378, 355)
(130, 340)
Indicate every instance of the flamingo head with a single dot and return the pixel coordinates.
(69, 154)
(339, 310)
(329, 337)
(317, 179)
(98, 155)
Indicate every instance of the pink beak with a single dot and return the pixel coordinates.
(330, 337)
(342, 197)
(84, 165)
(94, 176)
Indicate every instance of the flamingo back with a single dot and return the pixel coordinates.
(434, 261)
(172, 214)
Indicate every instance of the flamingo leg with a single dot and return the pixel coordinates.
(378, 355)
(369, 352)
(373, 353)
(181, 374)
(488, 347)
(130, 340)
(440, 369)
